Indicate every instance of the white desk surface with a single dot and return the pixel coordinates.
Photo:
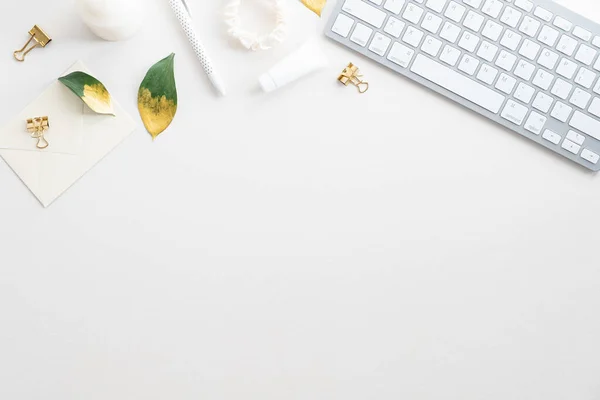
(308, 244)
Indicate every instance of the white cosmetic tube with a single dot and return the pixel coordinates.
(308, 58)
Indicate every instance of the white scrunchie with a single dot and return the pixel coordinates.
(252, 40)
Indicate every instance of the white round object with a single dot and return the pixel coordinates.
(112, 20)
(252, 40)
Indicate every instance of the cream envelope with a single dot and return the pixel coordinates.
(49, 174)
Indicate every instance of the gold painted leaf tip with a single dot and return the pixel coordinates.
(315, 6)
(90, 90)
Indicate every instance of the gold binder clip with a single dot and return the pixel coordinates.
(41, 39)
(351, 75)
(37, 127)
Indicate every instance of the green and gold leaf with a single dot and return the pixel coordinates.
(157, 97)
(90, 90)
(315, 6)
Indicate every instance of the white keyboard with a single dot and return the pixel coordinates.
(532, 66)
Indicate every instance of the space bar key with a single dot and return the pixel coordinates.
(458, 84)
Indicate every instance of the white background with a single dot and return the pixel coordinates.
(308, 244)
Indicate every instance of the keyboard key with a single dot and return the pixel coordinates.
(595, 107)
(582, 34)
(543, 79)
(543, 102)
(455, 11)
(529, 49)
(511, 17)
(506, 83)
(561, 89)
(342, 25)
(548, 36)
(585, 78)
(394, 27)
(487, 74)
(468, 41)
(394, 6)
(431, 23)
(585, 124)
(492, 8)
(450, 55)
(535, 123)
(473, 21)
(511, 40)
(492, 31)
(413, 36)
(468, 64)
(365, 12)
(548, 59)
(585, 55)
(563, 24)
(530, 26)
(514, 112)
(413, 13)
(524, 93)
(380, 44)
(473, 3)
(590, 156)
(597, 64)
(525, 5)
(580, 98)
(436, 5)
(551, 136)
(458, 84)
(566, 68)
(431, 46)
(524, 70)
(487, 51)
(543, 14)
(400, 54)
(567, 45)
(570, 146)
(506, 60)
(450, 32)
(576, 137)
(361, 34)
(596, 41)
(561, 111)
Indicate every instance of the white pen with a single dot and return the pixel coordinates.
(184, 16)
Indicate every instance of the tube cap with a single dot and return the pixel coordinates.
(267, 83)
